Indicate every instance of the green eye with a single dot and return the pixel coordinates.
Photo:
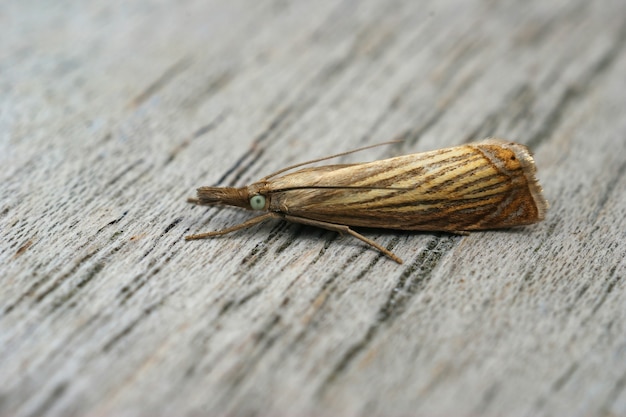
(257, 202)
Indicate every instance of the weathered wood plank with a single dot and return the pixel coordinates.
(112, 114)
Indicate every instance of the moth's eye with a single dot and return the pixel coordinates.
(257, 202)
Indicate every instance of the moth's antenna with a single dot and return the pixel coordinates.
(280, 171)
(343, 187)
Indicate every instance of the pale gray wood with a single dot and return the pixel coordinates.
(113, 112)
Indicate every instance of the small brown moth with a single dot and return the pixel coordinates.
(484, 185)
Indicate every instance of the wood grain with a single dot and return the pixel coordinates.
(111, 115)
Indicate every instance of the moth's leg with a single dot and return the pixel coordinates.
(240, 226)
(341, 228)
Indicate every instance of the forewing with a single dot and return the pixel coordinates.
(485, 185)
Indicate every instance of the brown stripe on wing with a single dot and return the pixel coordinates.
(398, 176)
(426, 214)
(400, 173)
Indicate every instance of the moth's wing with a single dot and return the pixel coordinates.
(370, 174)
(515, 161)
(484, 185)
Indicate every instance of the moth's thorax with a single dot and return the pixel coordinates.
(257, 188)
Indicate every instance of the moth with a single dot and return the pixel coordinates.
(484, 185)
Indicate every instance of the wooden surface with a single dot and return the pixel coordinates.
(112, 113)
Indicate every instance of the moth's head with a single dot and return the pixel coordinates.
(246, 197)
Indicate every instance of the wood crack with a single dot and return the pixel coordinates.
(412, 280)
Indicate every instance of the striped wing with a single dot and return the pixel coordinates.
(485, 185)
